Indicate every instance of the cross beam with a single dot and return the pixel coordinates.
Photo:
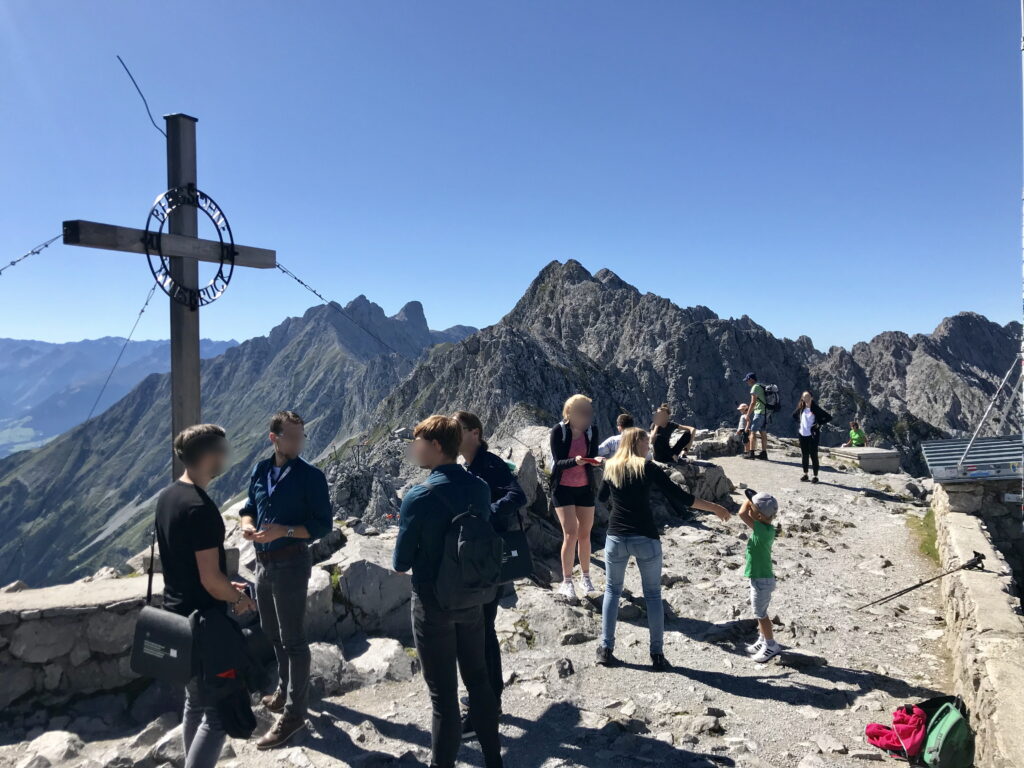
(183, 248)
(110, 237)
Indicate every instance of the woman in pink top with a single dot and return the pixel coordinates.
(574, 445)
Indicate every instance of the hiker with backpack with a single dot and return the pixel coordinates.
(810, 418)
(445, 538)
(628, 478)
(662, 429)
(757, 414)
(574, 454)
(507, 498)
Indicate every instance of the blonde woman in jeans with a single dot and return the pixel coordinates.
(628, 477)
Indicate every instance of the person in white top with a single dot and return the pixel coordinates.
(810, 418)
(611, 445)
(741, 428)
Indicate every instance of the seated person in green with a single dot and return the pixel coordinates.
(857, 437)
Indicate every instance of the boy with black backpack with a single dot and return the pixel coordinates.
(446, 539)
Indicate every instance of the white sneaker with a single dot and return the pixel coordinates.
(769, 651)
(567, 590)
(586, 584)
(756, 646)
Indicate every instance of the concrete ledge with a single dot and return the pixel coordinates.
(870, 459)
(984, 632)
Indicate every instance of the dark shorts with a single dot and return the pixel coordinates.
(568, 496)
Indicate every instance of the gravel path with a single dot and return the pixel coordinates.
(840, 548)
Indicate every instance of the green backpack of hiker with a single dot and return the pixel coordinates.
(949, 742)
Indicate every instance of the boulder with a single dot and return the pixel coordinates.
(319, 605)
(14, 586)
(375, 597)
(169, 749)
(379, 658)
(110, 633)
(153, 732)
(56, 746)
(40, 641)
(328, 673)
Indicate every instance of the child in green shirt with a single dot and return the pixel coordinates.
(857, 437)
(758, 512)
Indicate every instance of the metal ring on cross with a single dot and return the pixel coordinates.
(160, 265)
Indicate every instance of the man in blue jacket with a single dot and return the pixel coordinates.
(288, 507)
(445, 637)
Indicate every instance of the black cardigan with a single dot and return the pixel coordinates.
(561, 440)
(821, 417)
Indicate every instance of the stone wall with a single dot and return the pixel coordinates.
(985, 631)
(60, 642)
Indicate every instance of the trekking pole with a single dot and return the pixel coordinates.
(973, 564)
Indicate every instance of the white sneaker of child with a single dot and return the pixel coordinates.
(756, 646)
(770, 650)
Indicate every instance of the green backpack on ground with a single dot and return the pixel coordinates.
(949, 742)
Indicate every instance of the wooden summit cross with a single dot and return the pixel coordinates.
(178, 253)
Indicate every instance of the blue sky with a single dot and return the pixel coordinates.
(831, 169)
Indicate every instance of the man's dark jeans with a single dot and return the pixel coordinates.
(281, 597)
(445, 639)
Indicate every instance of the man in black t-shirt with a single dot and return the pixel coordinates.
(190, 533)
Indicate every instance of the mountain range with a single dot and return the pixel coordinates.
(574, 331)
(84, 499)
(46, 389)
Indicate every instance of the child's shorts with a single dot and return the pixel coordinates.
(760, 596)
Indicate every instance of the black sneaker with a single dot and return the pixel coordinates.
(749, 455)
(605, 657)
(803, 478)
(468, 731)
(814, 479)
(763, 455)
(660, 663)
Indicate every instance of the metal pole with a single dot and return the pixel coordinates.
(1021, 355)
(184, 220)
(984, 417)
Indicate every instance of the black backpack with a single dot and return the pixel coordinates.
(470, 569)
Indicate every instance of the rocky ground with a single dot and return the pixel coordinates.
(844, 542)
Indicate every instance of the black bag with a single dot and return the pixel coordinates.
(516, 560)
(163, 643)
(471, 563)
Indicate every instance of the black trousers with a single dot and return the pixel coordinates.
(450, 643)
(809, 452)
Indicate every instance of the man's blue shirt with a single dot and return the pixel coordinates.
(300, 497)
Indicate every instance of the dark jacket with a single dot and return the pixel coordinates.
(225, 671)
(631, 513)
(300, 498)
(821, 418)
(507, 495)
(561, 440)
(661, 446)
(424, 519)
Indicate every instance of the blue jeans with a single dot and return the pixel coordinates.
(201, 729)
(617, 551)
